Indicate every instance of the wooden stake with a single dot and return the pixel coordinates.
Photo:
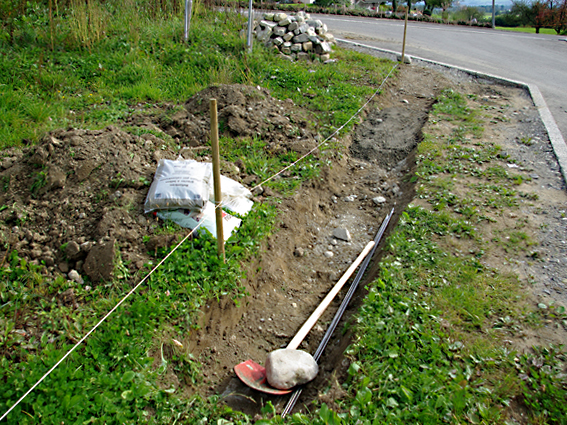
(216, 178)
(405, 31)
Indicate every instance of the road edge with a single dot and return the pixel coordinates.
(555, 137)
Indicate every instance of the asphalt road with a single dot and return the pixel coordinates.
(531, 58)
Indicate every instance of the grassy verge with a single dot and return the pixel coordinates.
(129, 62)
(429, 346)
(529, 30)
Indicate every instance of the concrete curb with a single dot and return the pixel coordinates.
(557, 142)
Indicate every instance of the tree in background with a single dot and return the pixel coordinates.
(432, 4)
(532, 13)
(468, 14)
(557, 16)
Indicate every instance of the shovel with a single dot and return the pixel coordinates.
(254, 375)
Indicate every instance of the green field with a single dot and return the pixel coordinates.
(529, 30)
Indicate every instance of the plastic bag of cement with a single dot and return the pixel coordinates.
(179, 184)
(235, 197)
(190, 219)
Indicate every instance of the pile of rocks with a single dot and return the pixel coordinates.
(295, 37)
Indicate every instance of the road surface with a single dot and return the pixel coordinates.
(531, 58)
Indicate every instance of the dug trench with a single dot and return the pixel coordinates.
(303, 259)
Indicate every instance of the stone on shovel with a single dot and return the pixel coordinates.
(286, 368)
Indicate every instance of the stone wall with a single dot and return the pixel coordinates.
(295, 37)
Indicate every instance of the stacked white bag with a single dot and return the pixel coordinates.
(182, 191)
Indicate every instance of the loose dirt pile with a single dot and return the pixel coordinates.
(75, 202)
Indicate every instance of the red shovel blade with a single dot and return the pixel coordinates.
(254, 375)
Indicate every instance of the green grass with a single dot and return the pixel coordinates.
(140, 62)
(112, 377)
(145, 61)
(428, 338)
(529, 30)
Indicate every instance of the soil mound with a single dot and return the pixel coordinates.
(75, 201)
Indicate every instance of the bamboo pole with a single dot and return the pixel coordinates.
(216, 178)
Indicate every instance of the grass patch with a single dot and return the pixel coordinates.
(428, 338)
(528, 30)
(97, 75)
(92, 81)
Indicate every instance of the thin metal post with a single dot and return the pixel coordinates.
(217, 178)
(188, 11)
(250, 24)
(493, 15)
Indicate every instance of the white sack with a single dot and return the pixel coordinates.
(190, 219)
(178, 184)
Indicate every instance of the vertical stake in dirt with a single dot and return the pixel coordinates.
(216, 178)
(403, 60)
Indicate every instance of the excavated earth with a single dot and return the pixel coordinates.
(78, 196)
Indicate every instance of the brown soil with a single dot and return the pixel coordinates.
(89, 201)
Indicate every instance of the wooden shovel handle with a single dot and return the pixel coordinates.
(302, 333)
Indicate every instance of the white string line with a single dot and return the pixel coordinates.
(179, 244)
(332, 135)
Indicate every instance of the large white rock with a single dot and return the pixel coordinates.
(287, 368)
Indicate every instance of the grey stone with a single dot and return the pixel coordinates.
(299, 252)
(286, 57)
(285, 22)
(287, 368)
(307, 46)
(329, 254)
(269, 16)
(296, 47)
(302, 56)
(407, 59)
(286, 50)
(342, 234)
(321, 30)
(301, 38)
(268, 24)
(278, 41)
(279, 31)
(288, 36)
(293, 26)
(379, 200)
(279, 16)
(264, 35)
(325, 47)
(314, 39)
(76, 277)
(287, 44)
(315, 23)
(301, 29)
(328, 37)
